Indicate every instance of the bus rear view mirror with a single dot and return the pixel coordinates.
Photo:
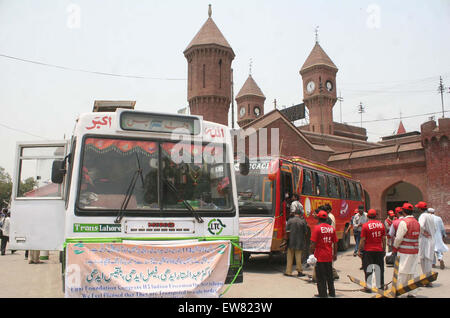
(58, 171)
(244, 167)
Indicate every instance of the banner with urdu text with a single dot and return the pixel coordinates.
(195, 269)
(256, 233)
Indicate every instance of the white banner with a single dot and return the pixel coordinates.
(256, 233)
(99, 270)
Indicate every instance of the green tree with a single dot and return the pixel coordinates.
(5, 188)
(27, 185)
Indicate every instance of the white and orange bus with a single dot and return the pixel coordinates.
(262, 205)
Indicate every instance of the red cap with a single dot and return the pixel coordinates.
(421, 205)
(356, 211)
(322, 214)
(372, 212)
(407, 206)
(398, 209)
(391, 213)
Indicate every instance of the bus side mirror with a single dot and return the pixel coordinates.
(244, 167)
(58, 171)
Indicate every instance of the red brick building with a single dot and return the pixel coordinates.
(408, 166)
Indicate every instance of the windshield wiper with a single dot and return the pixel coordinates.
(186, 203)
(130, 191)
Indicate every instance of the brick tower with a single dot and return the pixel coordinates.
(250, 102)
(319, 90)
(435, 143)
(209, 58)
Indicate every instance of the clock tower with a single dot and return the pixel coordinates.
(250, 102)
(319, 90)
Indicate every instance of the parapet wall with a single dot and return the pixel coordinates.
(435, 138)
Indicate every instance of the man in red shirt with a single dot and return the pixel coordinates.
(324, 248)
(373, 243)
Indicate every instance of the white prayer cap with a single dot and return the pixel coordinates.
(431, 210)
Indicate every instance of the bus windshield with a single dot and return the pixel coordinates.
(167, 176)
(255, 190)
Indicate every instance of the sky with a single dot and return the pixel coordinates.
(55, 57)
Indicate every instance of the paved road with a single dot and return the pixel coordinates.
(23, 280)
(262, 279)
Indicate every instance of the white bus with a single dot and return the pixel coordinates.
(127, 176)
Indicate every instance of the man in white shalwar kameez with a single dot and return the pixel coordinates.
(426, 238)
(439, 236)
(408, 262)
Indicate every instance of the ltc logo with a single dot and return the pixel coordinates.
(215, 226)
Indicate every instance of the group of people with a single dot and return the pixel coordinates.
(431, 238)
(414, 241)
(323, 245)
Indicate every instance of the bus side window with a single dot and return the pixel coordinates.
(337, 186)
(348, 193)
(316, 183)
(329, 190)
(307, 186)
(36, 170)
(320, 184)
(352, 191)
(358, 191)
(331, 186)
(296, 175)
(344, 188)
(358, 188)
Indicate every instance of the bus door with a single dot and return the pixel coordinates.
(286, 190)
(37, 206)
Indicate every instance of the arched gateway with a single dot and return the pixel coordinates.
(399, 193)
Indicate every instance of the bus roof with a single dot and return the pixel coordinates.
(109, 123)
(316, 165)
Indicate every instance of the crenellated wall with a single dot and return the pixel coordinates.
(435, 143)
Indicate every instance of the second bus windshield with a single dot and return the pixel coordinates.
(255, 190)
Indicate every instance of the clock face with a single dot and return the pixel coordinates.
(256, 111)
(242, 111)
(329, 85)
(310, 87)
